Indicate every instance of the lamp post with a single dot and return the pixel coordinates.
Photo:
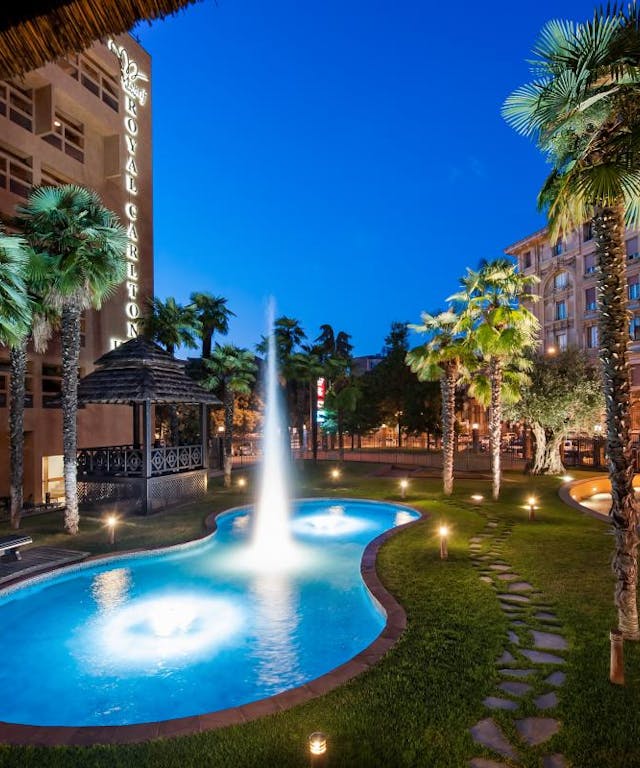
(475, 437)
(444, 532)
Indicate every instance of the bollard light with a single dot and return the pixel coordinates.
(317, 743)
(111, 523)
(242, 482)
(566, 478)
(404, 484)
(477, 497)
(335, 473)
(531, 504)
(444, 533)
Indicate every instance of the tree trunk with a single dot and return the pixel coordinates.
(448, 390)
(18, 357)
(313, 399)
(608, 228)
(495, 423)
(340, 435)
(228, 435)
(541, 449)
(553, 459)
(70, 336)
(206, 343)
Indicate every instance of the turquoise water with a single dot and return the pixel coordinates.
(193, 630)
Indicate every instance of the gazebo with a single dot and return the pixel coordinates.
(143, 477)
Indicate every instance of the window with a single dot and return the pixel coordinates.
(561, 310)
(634, 329)
(561, 341)
(590, 299)
(634, 288)
(590, 263)
(15, 172)
(561, 281)
(558, 248)
(587, 232)
(67, 136)
(632, 248)
(90, 74)
(51, 385)
(526, 260)
(53, 478)
(592, 337)
(17, 104)
(51, 179)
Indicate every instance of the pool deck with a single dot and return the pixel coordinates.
(37, 560)
(83, 736)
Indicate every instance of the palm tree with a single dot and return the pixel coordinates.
(171, 324)
(342, 398)
(42, 320)
(582, 111)
(213, 315)
(444, 358)
(232, 371)
(307, 367)
(500, 331)
(86, 246)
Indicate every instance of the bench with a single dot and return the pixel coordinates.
(10, 547)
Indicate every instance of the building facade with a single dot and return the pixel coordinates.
(84, 120)
(568, 305)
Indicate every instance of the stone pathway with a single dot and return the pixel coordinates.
(519, 720)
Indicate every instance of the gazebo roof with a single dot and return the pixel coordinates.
(137, 371)
(34, 32)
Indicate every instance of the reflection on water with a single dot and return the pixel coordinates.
(110, 588)
(276, 620)
(403, 516)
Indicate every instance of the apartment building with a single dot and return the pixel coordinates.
(84, 120)
(568, 304)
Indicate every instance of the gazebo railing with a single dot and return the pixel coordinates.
(128, 461)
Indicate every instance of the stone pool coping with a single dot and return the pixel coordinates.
(78, 736)
(573, 492)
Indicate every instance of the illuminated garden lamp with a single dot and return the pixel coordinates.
(220, 429)
(567, 478)
(335, 473)
(551, 350)
(317, 744)
(477, 498)
(444, 532)
(531, 504)
(111, 523)
(242, 481)
(404, 483)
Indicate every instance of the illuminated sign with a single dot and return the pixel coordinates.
(134, 96)
(321, 391)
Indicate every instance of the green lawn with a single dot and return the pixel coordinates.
(415, 707)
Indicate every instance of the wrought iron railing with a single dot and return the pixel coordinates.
(128, 461)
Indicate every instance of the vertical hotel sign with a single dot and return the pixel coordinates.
(135, 96)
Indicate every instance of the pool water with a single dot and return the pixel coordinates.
(195, 629)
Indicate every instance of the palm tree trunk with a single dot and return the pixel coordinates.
(228, 435)
(495, 423)
(608, 228)
(70, 334)
(448, 390)
(18, 357)
(206, 344)
(340, 434)
(313, 395)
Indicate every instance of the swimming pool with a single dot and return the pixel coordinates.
(194, 629)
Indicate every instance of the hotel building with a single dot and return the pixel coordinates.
(84, 120)
(567, 308)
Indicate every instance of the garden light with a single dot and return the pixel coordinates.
(111, 523)
(242, 482)
(531, 503)
(444, 532)
(317, 743)
(477, 497)
(403, 487)
(567, 478)
(335, 473)
(551, 350)
(220, 429)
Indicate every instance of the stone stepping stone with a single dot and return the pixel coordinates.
(556, 678)
(540, 657)
(547, 701)
(499, 567)
(546, 616)
(518, 623)
(506, 658)
(475, 540)
(510, 608)
(514, 688)
(486, 579)
(492, 524)
(507, 576)
(517, 672)
(515, 598)
(537, 730)
(513, 638)
(554, 761)
(495, 702)
(549, 641)
(481, 762)
(487, 733)
(520, 586)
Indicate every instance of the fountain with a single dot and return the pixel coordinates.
(272, 544)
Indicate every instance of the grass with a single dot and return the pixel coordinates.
(415, 707)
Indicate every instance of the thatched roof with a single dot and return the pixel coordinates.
(140, 370)
(34, 32)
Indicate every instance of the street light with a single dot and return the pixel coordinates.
(111, 523)
(444, 532)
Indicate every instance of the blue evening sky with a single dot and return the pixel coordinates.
(347, 157)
